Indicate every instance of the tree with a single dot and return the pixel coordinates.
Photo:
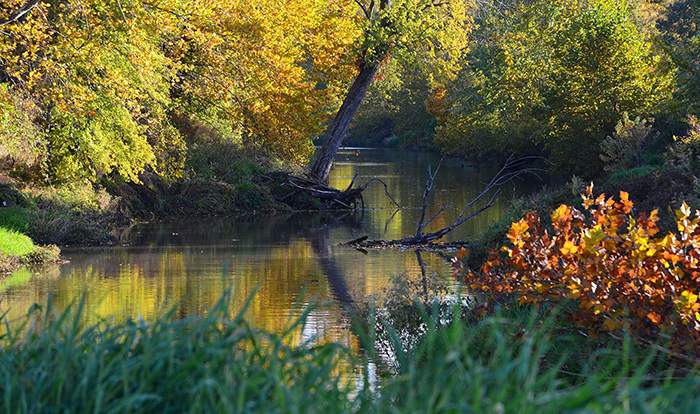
(433, 31)
(113, 80)
(681, 33)
(272, 70)
(97, 80)
(552, 75)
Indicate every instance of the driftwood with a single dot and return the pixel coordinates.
(512, 169)
(329, 198)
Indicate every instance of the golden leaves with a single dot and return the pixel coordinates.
(613, 264)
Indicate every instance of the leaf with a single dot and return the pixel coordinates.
(654, 317)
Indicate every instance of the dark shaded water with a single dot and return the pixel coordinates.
(291, 261)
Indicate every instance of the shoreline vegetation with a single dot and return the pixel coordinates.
(446, 359)
(113, 112)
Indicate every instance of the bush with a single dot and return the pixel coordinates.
(616, 266)
(625, 148)
(75, 214)
(684, 153)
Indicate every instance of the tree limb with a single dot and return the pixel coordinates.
(21, 12)
(512, 169)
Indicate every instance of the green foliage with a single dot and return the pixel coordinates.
(626, 146)
(527, 362)
(681, 34)
(20, 139)
(395, 110)
(14, 218)
(98, 79)
(684, 153)
(557, 75)
(13, 243)
(211, 364)
(622, 176)
(111, 141)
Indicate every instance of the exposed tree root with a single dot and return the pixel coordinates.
(305, 193)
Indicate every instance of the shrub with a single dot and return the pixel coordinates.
(613, 264)
(72, 215)
(684, 153)
(625, 148)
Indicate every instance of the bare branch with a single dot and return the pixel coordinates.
(386, 190)
(512, 169)
(365, 10)
(426, 196)
(21, 12)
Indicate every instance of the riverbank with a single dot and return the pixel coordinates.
(18, 250)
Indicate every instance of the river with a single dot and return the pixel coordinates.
(288, 262)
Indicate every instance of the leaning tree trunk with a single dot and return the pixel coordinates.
(323, 159)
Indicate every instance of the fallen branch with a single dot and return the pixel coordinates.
(329, 198)
(511, 170)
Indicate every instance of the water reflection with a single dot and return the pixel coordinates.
(289, 261)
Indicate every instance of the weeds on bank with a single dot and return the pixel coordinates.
(517, 360)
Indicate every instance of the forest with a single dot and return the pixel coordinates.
(258, 167)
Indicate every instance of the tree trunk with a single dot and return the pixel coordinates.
(323, 159)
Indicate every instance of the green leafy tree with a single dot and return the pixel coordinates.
(681, 33)
(431, 32)
(556, 75)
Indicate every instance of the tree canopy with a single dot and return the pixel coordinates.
(90, 88)
(552, 74)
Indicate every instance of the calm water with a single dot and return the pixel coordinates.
(291, 261)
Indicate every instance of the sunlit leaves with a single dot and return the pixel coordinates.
(553, 74)
(611, 262)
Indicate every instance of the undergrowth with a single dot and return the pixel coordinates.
(520, 360)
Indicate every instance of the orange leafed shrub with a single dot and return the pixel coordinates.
(616, 266)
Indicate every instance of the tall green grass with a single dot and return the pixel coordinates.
(217, 363)
(14, 218)
(525, 362)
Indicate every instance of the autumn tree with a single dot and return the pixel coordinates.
(431, 31)
(109, 83)
(93, 79)
(271, 71)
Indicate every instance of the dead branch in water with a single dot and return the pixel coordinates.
(512, 169)
(329, 198)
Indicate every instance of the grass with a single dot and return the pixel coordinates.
(520, 362)
(15, 244)
(14, 218)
